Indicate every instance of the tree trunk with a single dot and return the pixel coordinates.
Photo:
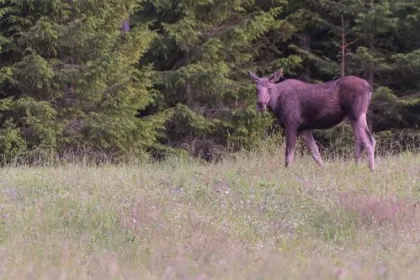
(343, 47)
(371, 67)
(305, 44)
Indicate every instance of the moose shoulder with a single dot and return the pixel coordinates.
(301, 107)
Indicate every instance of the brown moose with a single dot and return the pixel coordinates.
(301, 107)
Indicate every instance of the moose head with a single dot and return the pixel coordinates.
(264, 88)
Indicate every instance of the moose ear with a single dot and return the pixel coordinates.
(276, 76)
(253, 76)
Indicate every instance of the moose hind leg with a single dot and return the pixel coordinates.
(291, 136)
(368, 141)
(370, 148)
(358, 145)
(313, 147)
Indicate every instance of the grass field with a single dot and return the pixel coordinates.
(243, 218)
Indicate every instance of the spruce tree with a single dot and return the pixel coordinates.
(203, 53)
(71, 80)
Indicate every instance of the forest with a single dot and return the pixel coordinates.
(148, 78)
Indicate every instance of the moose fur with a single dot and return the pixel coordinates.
(301, 107)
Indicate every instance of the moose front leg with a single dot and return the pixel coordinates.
(291, 135)
(313, 147)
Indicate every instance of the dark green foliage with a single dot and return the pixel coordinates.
(73, 80)
(203, 53)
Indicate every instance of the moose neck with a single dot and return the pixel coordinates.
(274, 99)
(280, 90)
(277, 92)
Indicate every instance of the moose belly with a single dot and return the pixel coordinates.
(321, 120)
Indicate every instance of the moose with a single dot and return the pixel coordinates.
(301, 107)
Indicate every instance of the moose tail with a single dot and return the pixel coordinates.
(370, 92)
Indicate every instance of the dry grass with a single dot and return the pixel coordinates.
(244, 218)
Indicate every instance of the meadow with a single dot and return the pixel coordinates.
(246, 217)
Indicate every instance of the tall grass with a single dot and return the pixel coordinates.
(243, 218)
